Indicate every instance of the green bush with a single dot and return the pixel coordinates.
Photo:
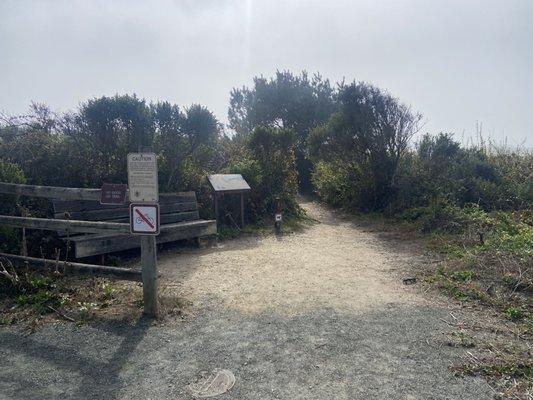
(366, 139)
(10, 205)
(266, 160)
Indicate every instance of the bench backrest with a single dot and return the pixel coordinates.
(174, 207)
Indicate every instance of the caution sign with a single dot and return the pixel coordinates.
(142, 177)
(144, 219)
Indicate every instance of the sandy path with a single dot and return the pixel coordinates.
(332, 263)
(320, 314)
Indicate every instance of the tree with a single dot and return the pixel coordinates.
(187, 142)
(108, 128)
(268, 165)
(366, 139)
(287, 101)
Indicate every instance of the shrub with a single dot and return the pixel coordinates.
(9, 237)
(366, 139)
(267, 163)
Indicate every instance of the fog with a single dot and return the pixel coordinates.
(462, 64)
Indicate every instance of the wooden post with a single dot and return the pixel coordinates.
(149, 275)
(216, 207)
(277, 224)
(242, 210)
(24, 249)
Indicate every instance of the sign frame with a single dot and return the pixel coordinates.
(135, 214)
(143, 178)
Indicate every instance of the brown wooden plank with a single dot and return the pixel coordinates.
(66, 193)
(64, 225)
(76, 268)
(178, 197)
(168, 227)
(111, 243)
(179, 217)
(78, 205)
(61, 206)
(164, 219)
(50, 192)
(110, 214)
(164, 228)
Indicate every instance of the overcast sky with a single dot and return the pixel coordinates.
(458, 62)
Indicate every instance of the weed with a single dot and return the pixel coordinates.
(108, 291)
(227, 232)
(463, 275)
(85, 308)
(514, 313)
(465, 340)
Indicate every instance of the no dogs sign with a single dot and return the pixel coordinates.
(144, 219)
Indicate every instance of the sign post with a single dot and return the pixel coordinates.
(278, 216)
(149, 275)
(144, 221)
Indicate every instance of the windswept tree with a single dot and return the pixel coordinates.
(268, 165)
(108, 128)
(364, 142)
(187, 142)
(287, 101)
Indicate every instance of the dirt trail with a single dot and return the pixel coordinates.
(320, 314)
(331, 264)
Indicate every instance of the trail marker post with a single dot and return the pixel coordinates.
(278, 216)
(144, 220)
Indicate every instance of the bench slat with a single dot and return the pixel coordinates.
(164, 219)
(84, 205)
(107, 213)
(99, 244)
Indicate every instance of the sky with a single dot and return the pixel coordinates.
(464, 64)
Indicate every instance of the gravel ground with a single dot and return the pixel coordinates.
(320, 314)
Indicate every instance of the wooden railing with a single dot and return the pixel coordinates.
(148, 274)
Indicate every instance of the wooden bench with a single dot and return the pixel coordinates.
(179, 220)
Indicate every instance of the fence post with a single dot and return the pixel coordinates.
(149, 275)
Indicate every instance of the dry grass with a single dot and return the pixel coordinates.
(34, 298)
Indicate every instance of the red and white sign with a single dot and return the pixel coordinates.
(144, 219)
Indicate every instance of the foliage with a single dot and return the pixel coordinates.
(441, 172)
(89, 147)
(364, 142)
(28, 295)
(28, 289)
(10, 205)
(267, 163)
(286, 101)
